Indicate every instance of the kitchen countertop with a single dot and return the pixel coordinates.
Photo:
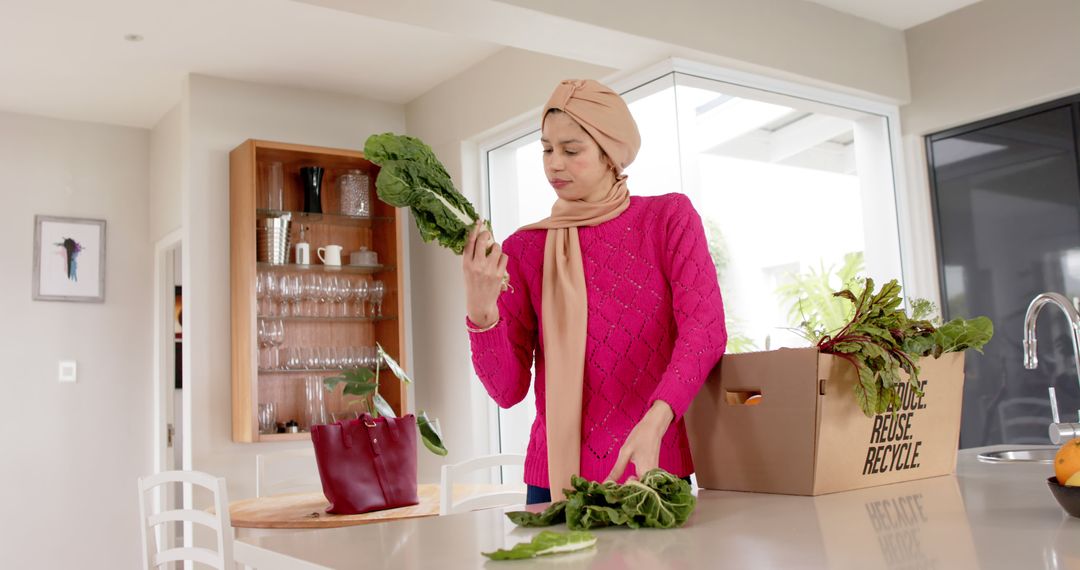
(986, 516)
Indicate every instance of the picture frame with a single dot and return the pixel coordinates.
(69, 259)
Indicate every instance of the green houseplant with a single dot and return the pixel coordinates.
(364, 382)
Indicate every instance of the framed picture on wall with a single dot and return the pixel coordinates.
(69, 259)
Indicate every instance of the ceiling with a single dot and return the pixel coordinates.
(897, 14)
(69, 58)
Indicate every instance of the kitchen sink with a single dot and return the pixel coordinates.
(1029, 455)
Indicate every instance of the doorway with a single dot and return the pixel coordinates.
(168, 415)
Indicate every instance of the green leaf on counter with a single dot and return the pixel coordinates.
(658, 500)
(546, 543)
(554, 514)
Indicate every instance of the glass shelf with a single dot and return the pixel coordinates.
(356, 269)
(328, 319)
(334, 219)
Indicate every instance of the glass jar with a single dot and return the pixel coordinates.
(355, 194)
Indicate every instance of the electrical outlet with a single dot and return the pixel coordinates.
(68, 371)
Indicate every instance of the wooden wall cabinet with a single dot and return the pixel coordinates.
(379, 232)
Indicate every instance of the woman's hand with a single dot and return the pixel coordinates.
(484, 274)
(642, 447)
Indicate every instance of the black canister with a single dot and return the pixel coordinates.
(311, 177)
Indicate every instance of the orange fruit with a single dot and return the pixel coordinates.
(1067, 460)
(756, 399)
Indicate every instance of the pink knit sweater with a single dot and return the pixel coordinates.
(655, 330)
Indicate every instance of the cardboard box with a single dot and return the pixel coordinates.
(807, 435)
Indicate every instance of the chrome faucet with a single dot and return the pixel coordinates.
(1059, 432)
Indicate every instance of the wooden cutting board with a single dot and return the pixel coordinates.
(308, 510)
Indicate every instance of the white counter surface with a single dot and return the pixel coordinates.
(986, 516)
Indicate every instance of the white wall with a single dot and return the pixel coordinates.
(989, 58)
(73, 449)
(984, 60)
(166, 171)
(221, 115)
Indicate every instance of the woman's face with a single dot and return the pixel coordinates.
(573, 162)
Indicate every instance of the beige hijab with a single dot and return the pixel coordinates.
(605, 116)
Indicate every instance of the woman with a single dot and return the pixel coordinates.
(613, 297)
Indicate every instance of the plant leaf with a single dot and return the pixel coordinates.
(392, 364)
(382, 407)
(431, 438)
(546, 543)
(358, 382)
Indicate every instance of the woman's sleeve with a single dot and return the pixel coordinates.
(697, 306)
(503, 356)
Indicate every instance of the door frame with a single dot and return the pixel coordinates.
(166, 258)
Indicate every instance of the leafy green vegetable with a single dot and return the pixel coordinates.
(545, 543)
(365, 382)
(880, 340)
(411, 176)
(658, 500)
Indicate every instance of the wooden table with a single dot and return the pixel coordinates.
(308, 510)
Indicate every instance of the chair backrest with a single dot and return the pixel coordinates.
(1024, 420)
(218, 522)
(452, 474)
(289, 471)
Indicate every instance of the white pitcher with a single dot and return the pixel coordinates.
(333, 255)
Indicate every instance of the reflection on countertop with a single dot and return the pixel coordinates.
(986, 516)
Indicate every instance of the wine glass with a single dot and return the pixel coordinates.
(291, 292)
(360, 294)
(311, 293)
(376, 293)
(260, 294)
(325, 294)
(269, 287)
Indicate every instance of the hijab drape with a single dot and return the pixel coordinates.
(564, 303)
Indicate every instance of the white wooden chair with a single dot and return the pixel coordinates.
(219, 522)
(453, 473)
(289, 471)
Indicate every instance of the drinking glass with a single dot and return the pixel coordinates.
(311, 292)
(315, 401)
(292, 358)
(267, 418)
(376, 293)
(324, 294)
(360, 294)
(289, 293)
(342, 291)
(276, 330)
(310, 358)
(272, 175)
(260, 294)
(268, 285)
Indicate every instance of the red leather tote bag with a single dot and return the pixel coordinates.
(367, 464)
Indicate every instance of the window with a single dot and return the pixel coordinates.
(795, 194)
